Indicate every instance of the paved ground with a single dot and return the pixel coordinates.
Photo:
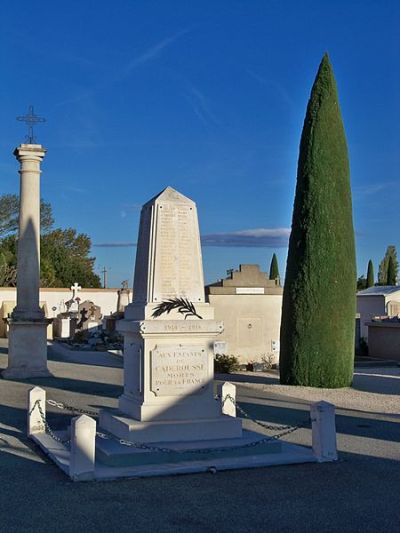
(358, 493)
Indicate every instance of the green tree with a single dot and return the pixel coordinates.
(274, 269)
(317, 328)
(391, 274)
(64, 258)
(384, 264)
(370, 274)
(9, 210)
(361, 283)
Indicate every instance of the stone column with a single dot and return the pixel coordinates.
(27, 354)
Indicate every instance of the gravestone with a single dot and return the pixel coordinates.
(89, 315)
(168, 359)
(123, 297)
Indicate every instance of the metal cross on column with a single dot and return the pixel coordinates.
(31, 120)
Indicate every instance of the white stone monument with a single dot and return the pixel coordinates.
(27, 352)
(168, 361)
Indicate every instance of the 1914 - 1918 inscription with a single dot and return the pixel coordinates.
(178, 370)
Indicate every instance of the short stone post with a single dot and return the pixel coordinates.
(34, 418)
(83, 440)
(323, 431)
(228, 399)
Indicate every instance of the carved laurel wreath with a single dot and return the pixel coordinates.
(184, 306)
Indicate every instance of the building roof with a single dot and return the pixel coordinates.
(247, 280)
(380, 290)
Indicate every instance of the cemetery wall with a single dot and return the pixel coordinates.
(56, 297)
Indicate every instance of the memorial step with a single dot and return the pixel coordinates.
(111, 452)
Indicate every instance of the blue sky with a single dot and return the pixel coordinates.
(208, 97)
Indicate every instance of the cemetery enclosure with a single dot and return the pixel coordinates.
(106, 299)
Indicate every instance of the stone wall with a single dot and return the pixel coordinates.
(384, 340)
(56, 297)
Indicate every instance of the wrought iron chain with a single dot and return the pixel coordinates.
(284, 430)
(71, 408)
(148, 447)
(265, 426)
(46, 424)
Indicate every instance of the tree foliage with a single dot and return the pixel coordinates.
(361, 283)
(317, 328)
(370, 275)
(391, 273)
(384, 265)
(9, 210)
(64, 253)
(64, 259)
(274, 269)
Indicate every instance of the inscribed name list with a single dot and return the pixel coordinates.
(178, 267)
(178, 370)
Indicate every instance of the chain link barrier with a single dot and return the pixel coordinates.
(283, 430)
(71, 408)
(261, 424)
(49, 431)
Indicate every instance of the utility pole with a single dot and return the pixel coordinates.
(104, 272)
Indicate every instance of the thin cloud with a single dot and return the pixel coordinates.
(259, 237)
(253, 238)
(273, 84)
(368, 190)
(148, 55)
(152, 52)
(200, 106)
(114, 245)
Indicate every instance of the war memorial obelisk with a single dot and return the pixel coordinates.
(168, 357)
(27, 351)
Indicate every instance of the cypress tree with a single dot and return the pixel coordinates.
(274, 269)
(384, 264)
(317, 328)
(391, 272)
(370, 274)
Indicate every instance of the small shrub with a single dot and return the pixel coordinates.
(267, 361)
(225, 364)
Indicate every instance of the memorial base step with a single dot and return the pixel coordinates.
(124, 427)
(109, 451)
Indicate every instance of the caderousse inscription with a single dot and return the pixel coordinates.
(178, 370)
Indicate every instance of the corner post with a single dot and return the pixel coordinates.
(323, 431)
(35, 423)
(83, 441)
(228, 399)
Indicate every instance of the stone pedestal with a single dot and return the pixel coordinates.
(168, 383)
(27, 349)
(64, 327)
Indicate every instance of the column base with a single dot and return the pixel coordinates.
(26, 373)
(27, 349)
